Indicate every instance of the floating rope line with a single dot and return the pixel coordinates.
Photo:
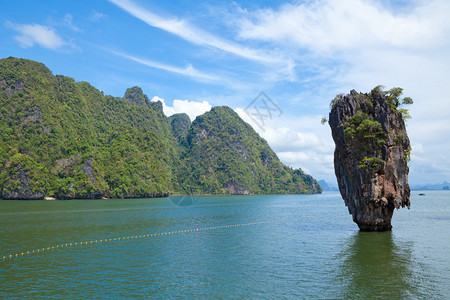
(97, 241)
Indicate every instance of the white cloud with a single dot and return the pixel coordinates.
(195, 35)
(31, 34)
(68, 22)
(331, 46)
(355, 44)
(320, 166)
(285, 139)
(299, 142)
(189, 70)
(360, 44)
(191, 108)
(332, 25)
(96, 16)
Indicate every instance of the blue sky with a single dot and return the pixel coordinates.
(197, 54)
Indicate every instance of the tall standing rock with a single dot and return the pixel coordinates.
(371, 155)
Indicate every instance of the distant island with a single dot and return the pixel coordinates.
(329, 187)
(67, 140)
(431, 186)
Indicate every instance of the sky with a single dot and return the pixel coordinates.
(278, 64)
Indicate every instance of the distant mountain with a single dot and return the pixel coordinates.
(67, 140)
(180, 124)
(436, 186)
(226, 155)
(326, 186)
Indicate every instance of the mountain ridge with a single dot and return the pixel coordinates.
(67, 140)
(430, 186)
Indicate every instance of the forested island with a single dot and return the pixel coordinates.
(67, 140)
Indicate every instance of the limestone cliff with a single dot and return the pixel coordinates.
(225, 155)
(371, 155)
(67, 140)
(24, 179)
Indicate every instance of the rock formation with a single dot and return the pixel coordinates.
(371, 155)
(25, 179)
(225, 155)
(180, 124)
(136, 95)
(67, 140)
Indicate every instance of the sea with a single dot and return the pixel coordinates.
(222, 247)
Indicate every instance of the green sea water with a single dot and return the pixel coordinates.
(311, 250)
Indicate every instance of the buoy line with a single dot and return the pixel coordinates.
(97, 241)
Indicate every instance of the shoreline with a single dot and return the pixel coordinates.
(50, 198)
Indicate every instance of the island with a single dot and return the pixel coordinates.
(64, 139)
(371, 154)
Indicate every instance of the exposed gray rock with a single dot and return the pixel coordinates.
(180, 124)
(87, 169)
(146, 195)
(157, 105)
(69, 191)
(64, 165)
(236, 189)
(20, 187)
(18, 86)
(136, 95)
(34, 114)
(370, 162)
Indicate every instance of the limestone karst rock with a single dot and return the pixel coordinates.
(67, 140)
(371, 155)
(25, 179)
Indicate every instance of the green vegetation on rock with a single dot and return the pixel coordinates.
(225, 155)
(66, 139)
(371, 155)
(180, 124)
(90, 144)
(363, 132)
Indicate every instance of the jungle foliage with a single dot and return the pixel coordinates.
(68, 140)
(224, 154)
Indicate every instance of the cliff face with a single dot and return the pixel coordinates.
(67, 140)
(225, 155)
(23, 179)
(370, 159)
(180, 124)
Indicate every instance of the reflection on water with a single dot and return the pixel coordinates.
(313, 257)
(376, 266)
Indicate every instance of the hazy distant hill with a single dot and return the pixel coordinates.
(66, 139)
(435, 186)
(326, 186)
